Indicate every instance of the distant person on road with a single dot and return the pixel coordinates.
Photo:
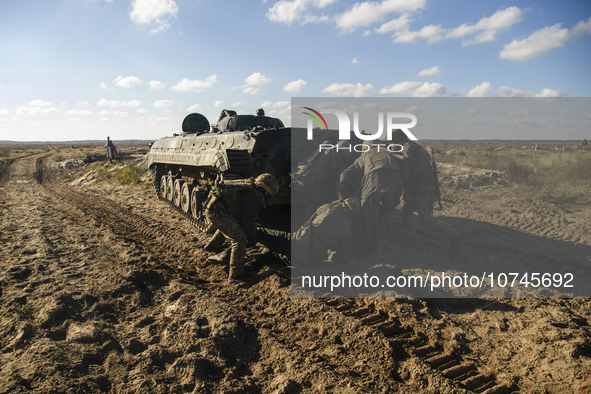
(111, 149)
(584, 143)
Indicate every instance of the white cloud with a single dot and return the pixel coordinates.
(430, 33)
(219, 103)
(154, 85)
(156, 120)
(355, 61)
(3, 111)
(430, 71)
(146, 12)
(141, 111)
(487, 27)
(195, 108)
(40, 103)
(239, 103)
(294, 86)
(34, 110)
(187, 85)
(537, 44)
(257, 79)
(507, 91)
(278, 104)
(163, 103)
(401, 23)
(103, 119)
(479, 90)
(550, 93)
(348, 89)
(581, 28)
(80, 102)
(366, 33)
(369, 12)
(115, 103)
(285, 11)
(127, 82)
(75, 112)
(103, 85)
(416, 89)
(121, 114)
(250, 90)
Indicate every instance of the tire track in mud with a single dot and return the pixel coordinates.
(158, 245)
(535, 217)
(406, 340)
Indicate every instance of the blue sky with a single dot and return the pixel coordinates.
(85, 69)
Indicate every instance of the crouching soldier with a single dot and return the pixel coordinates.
(232, 208)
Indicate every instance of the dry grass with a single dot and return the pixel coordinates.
(549, 174)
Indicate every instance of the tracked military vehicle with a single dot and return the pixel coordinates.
(238, 147)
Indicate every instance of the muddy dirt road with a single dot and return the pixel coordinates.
(105, 289)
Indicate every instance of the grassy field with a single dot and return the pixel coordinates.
(548, 174)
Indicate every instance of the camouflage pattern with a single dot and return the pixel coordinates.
(228, 227)
(329, 229)
(377, 219)
(316, 180)
(277, 246)
(233, 210)
(421, 201)
(381, 182)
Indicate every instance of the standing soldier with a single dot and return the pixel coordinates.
(232, 209)
(111, 150)
(381, 188)
(421, 190)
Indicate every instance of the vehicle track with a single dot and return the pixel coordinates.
(404, 338)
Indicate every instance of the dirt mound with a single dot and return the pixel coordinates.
(463, 177)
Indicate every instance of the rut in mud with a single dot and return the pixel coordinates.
(106, 289)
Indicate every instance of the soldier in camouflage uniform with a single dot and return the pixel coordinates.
(316, 180)
(420, 190)
(233, 209)
(327, 235)
(381, 188)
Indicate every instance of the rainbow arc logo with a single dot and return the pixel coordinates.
(315, 118)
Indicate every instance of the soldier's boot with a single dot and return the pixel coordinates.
(236, 273)
(221, 258)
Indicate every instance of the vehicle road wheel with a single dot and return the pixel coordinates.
(178, 184)
(186, 197)
(169, 189)
(163, 188)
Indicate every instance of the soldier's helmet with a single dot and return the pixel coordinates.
(267, 182)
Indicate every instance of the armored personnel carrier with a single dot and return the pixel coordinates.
(238, 147)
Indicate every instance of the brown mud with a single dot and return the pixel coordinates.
(105, 289)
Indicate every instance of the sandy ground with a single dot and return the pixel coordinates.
(106, 289)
